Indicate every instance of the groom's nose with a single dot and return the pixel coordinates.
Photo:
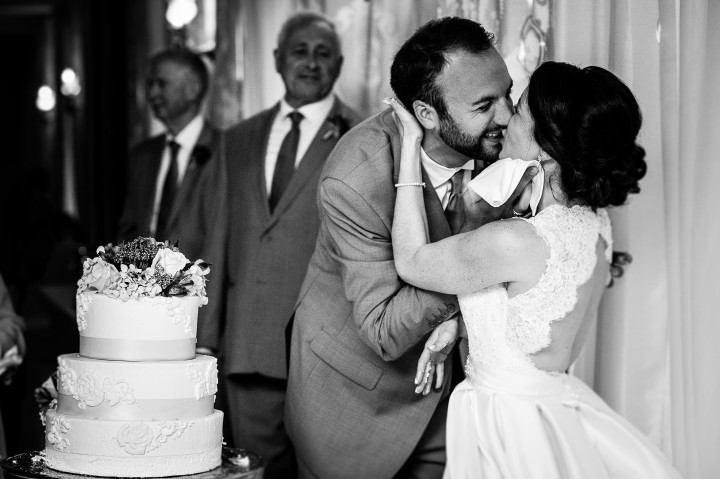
(503, 112)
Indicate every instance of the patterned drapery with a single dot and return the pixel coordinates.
(371, 31)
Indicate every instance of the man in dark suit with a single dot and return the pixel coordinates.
(170, 189)
(359, 330)
(273, 162)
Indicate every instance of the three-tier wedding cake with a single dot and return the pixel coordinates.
(136, 401)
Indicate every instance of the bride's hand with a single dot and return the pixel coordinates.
(406, 122)
(432, 360)
(479, 212)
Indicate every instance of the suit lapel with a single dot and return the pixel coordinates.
(203, 151)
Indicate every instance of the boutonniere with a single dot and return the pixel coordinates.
(338, 127)
(200, 154)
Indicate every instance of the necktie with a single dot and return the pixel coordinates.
(285, 165)
(454, 211)
(169, 190)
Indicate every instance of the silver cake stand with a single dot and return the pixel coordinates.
(236, 464)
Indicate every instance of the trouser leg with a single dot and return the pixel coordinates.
(256, 404)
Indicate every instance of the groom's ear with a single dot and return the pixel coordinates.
(426, 115)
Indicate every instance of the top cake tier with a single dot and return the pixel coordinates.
(144, 329)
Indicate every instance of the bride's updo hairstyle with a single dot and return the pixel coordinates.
(587, 120)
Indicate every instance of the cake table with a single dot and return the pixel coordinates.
(236, 464)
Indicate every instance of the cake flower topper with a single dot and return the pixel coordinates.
(143, 268)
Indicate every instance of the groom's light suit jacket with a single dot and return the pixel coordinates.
(358, 330)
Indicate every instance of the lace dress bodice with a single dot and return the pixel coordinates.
(503, 332)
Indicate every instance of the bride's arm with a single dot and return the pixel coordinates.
(468, 262)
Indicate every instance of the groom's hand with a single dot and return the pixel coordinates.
(479, 212)
(432, 360)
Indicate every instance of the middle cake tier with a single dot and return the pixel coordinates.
(148, 390)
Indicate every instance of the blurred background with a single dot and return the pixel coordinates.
(73, 103)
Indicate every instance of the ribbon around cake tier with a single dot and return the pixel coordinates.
(140, 409)
(137, 350)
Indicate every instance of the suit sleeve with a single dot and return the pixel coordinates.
(215, 189)
(11, 325)
(391, 315)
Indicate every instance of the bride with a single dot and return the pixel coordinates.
(529, 288)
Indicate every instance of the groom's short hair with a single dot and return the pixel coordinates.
(423, 56)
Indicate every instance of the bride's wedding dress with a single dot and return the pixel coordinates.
(511, 420)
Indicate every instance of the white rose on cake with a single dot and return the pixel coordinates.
(170, 261)
(99, 275)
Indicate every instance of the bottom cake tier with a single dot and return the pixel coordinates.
(133, 449)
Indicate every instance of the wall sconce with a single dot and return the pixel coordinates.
(70, 83)
(533, 45)
(533, 48)
(45, 100)
(180, 12)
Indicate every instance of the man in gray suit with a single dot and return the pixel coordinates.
(358, 329)
(273, 161)
(170, 190)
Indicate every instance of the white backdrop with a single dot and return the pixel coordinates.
(658, 331)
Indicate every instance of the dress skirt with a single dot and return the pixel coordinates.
(507, 425)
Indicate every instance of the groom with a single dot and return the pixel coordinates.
(358, 331)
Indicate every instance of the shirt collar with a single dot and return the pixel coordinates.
(314, 112)
(439, 174)
(188, 136)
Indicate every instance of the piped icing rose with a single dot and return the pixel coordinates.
(134, 438)
(89, 389)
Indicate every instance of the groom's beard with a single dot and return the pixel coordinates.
(466, 143)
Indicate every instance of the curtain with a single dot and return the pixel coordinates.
(370, 32)
(690, 125)
(631, 368)
(655, 351)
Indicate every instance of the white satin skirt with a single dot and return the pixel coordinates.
(505, 425)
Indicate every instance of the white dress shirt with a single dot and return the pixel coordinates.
(186, 139)
(314, 115)
(440, 175)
